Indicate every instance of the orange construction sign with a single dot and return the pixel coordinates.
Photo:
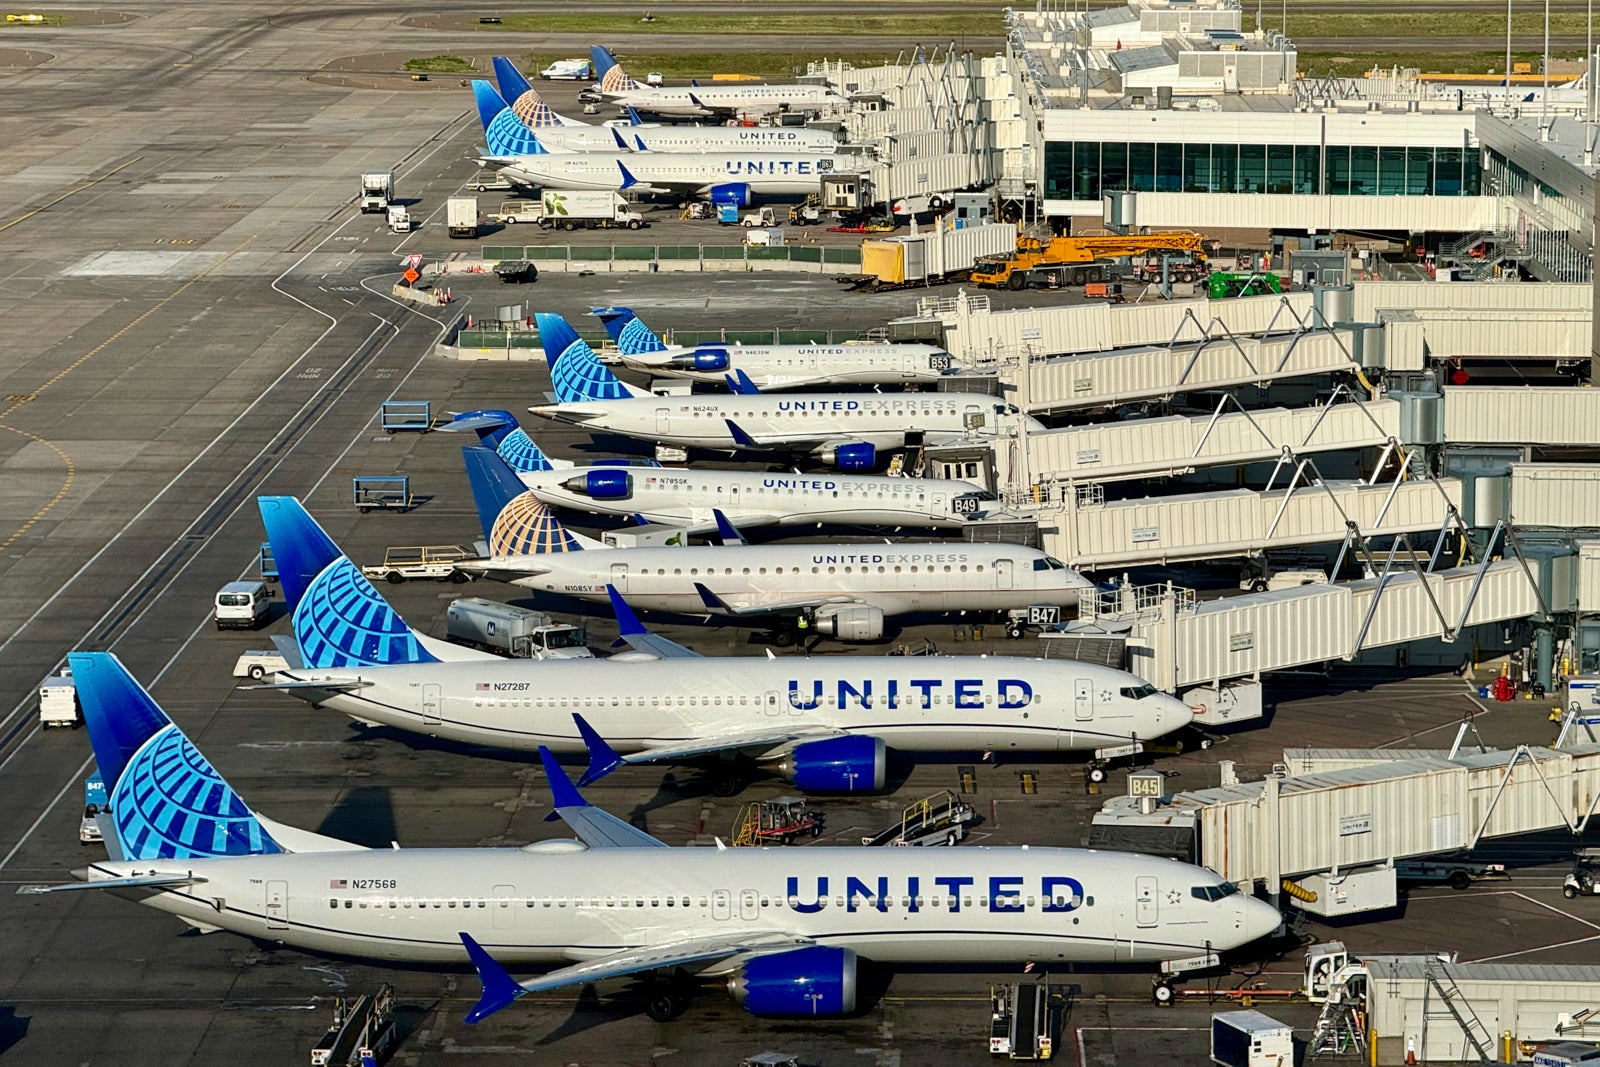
(410, 275)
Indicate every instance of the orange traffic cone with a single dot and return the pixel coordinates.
(1411, 1051)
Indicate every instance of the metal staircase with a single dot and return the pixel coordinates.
(1341, 1029)
(1456, 1007)
(1501, 247)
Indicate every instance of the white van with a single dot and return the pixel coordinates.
(242, 605)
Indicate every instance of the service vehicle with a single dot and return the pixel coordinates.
(1250, 1039)
(779, 821)
(1456, 873)
(58, 701)
(568, 70)
(377, 190)
(766, 216)
(764, 238)
(1567, 1054)
(413, 562)
(94, 802)
(512, 631)
(1021, 1023)
(1064, 261)
(1585, 877)
(514, 211)
(461, 216)
(516, 271)
(363, 1031)
(940, 819)
(489, 181)
(1224, 285)
(257, 664)
(399, 219)
(578, 209)
(241, 605)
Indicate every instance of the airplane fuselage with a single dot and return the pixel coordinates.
(707, 100)
(773, 367)
(884, 420)
(916, 704)
(557, 901)
(687, 497)
(768, 172)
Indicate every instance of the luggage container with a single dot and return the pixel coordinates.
(1250, 1039)
(58, 701)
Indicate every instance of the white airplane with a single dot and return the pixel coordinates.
(775, 367)
(782, 929)
(845, 591)
(847, 430)
(826, 723)
(688, 498)
(725, 101)
(527, 126)
(724, 176)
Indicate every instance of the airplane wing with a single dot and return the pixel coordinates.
(603, 759)
(744, 439)
(500, 989)
(775, 607)
(504, 570)
(598, 829)
(143, 881)
(636, 636)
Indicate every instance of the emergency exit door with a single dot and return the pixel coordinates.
(619, 576)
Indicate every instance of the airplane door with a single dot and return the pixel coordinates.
(721, 905)
(775, 702)
(1145, 903)
(1083, 699)
(619, 576)
(430, 704)
(502, 905)
(663, 420)
(938, 505)
(749, 905)
(277, 905)
(1003, 577)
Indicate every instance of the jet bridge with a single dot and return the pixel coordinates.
(1337, 832)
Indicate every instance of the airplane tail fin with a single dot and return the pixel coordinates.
(613, 79)
(505, 134)
(515, 522)
(628, 330)
(167, 801)
(525, 102)
(499, 430)
(339, 619)
(576, 373)
(511, 81)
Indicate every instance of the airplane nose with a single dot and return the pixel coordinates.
(1174, 715)
(1260, 920)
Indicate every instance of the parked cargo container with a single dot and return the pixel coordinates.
(461, 216)
(511, 630)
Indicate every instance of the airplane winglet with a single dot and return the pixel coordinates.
(740, 438)
(615, 136)
(710, 599)
(726, 530)
(499, 988)
(639, 141)
(695, 100)
(745, 384)
(633, 117)
(563, 794)
(603, 759)
(627, 621)
(628, 180)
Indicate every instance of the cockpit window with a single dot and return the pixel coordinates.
(1049, 563)
(1139, 692)
(1213, 892)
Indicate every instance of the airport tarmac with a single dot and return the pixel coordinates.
(197, 315)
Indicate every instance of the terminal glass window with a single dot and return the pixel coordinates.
(1142, 167)
(1363, 170)
(1197, 168)
(1336, 170)
(1225, 168)
(1169, 168)
(1307, 168)
(1447, 171)
(1252, 168)
(1280, 168)
(1391, 171)
(1419, 172)
(1113, 166)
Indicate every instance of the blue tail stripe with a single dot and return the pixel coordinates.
(576, 373)
(167, 801)
(344, 622)
(601, 59)
(509, 78)
(300, 547)
(490, 103)
(494, 485)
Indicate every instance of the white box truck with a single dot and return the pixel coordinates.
(1250, 1039)
(575, 209)
(511, 630)
(461, 216)
(58, 701)
(377, 189)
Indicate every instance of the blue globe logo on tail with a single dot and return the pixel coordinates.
(170, 803)
(519, 451)
(343, 622)
(525, 527)
(636, 337)
(576, 373)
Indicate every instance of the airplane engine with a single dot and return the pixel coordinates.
(806, 981)
(602, 484)
(850, 622)
(709, 359)
(851, 763)
(731, 193)
(858, 456)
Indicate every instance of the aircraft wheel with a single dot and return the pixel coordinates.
(458, 577)
(394, 577)
(666, 1005)
(1162, 995)
(727, 785)
(1097, 775)
(783, 637)
(258, 672)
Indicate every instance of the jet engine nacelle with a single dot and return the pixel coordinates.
(709, 359)
(731, 193)
(849, 622)
(602, 483)
(857, 456)
(851, 763)
(816, 980)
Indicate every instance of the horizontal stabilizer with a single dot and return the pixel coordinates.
(144, 881)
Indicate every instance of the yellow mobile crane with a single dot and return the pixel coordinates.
(1077, 260)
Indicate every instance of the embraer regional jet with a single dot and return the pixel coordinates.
(825, 723)
(784, 930)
